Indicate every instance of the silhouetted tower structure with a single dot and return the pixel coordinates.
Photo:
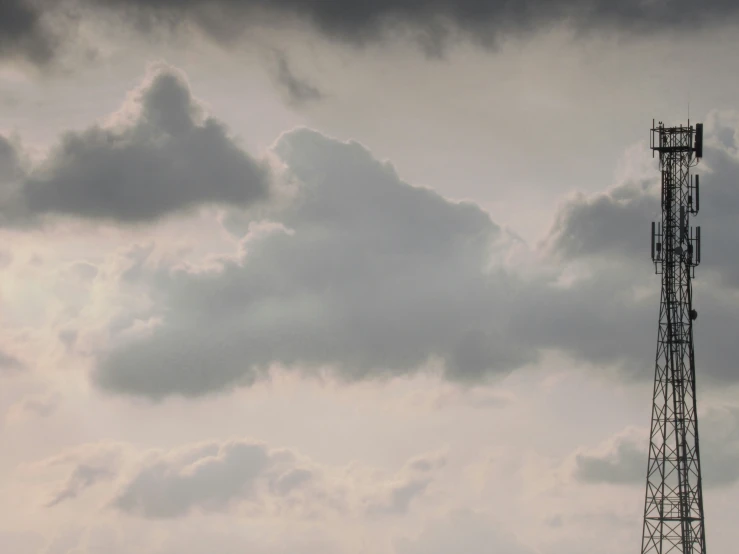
(673, 511)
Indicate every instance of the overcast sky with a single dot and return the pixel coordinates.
(306, 277)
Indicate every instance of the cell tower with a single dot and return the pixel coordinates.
(673, 509)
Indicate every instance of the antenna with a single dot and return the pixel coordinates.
(697, 193)
(699, 140)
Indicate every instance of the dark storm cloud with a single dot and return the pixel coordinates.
(23, 33)
(625, 462)
(360, 22)
(36, 30)
(167, 159)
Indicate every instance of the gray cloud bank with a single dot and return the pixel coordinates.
(23, 33)
(359, 272)
(163, 156)
(360, 23)
(362, 272)
(371, 277)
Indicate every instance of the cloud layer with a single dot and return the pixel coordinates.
(354, 270)
(27, 31)
(363, 21)
(159, 155)
(362, 272)
(368, 276)
(23, 33)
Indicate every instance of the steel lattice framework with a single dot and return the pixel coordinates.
(673, 510)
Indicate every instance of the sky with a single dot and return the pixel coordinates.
(305, 277)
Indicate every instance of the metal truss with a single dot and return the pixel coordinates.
(673, 508)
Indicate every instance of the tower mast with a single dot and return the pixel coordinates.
(673, 509)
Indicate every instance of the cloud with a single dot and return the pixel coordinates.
(83, 477)
(210, 477)
(90, 465)
(23, 32)
(10, 162)
(360, 23)
(610, 233)
(37, 30)
(622, 459)
(42, 405)
(159, 155)
(218, 476)
(617, 222)
(297, 90)
(608, 223)
(361, 272)
(9, 363)
(370, 277)
(12, 173)
(397, 496)
(400, 498)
